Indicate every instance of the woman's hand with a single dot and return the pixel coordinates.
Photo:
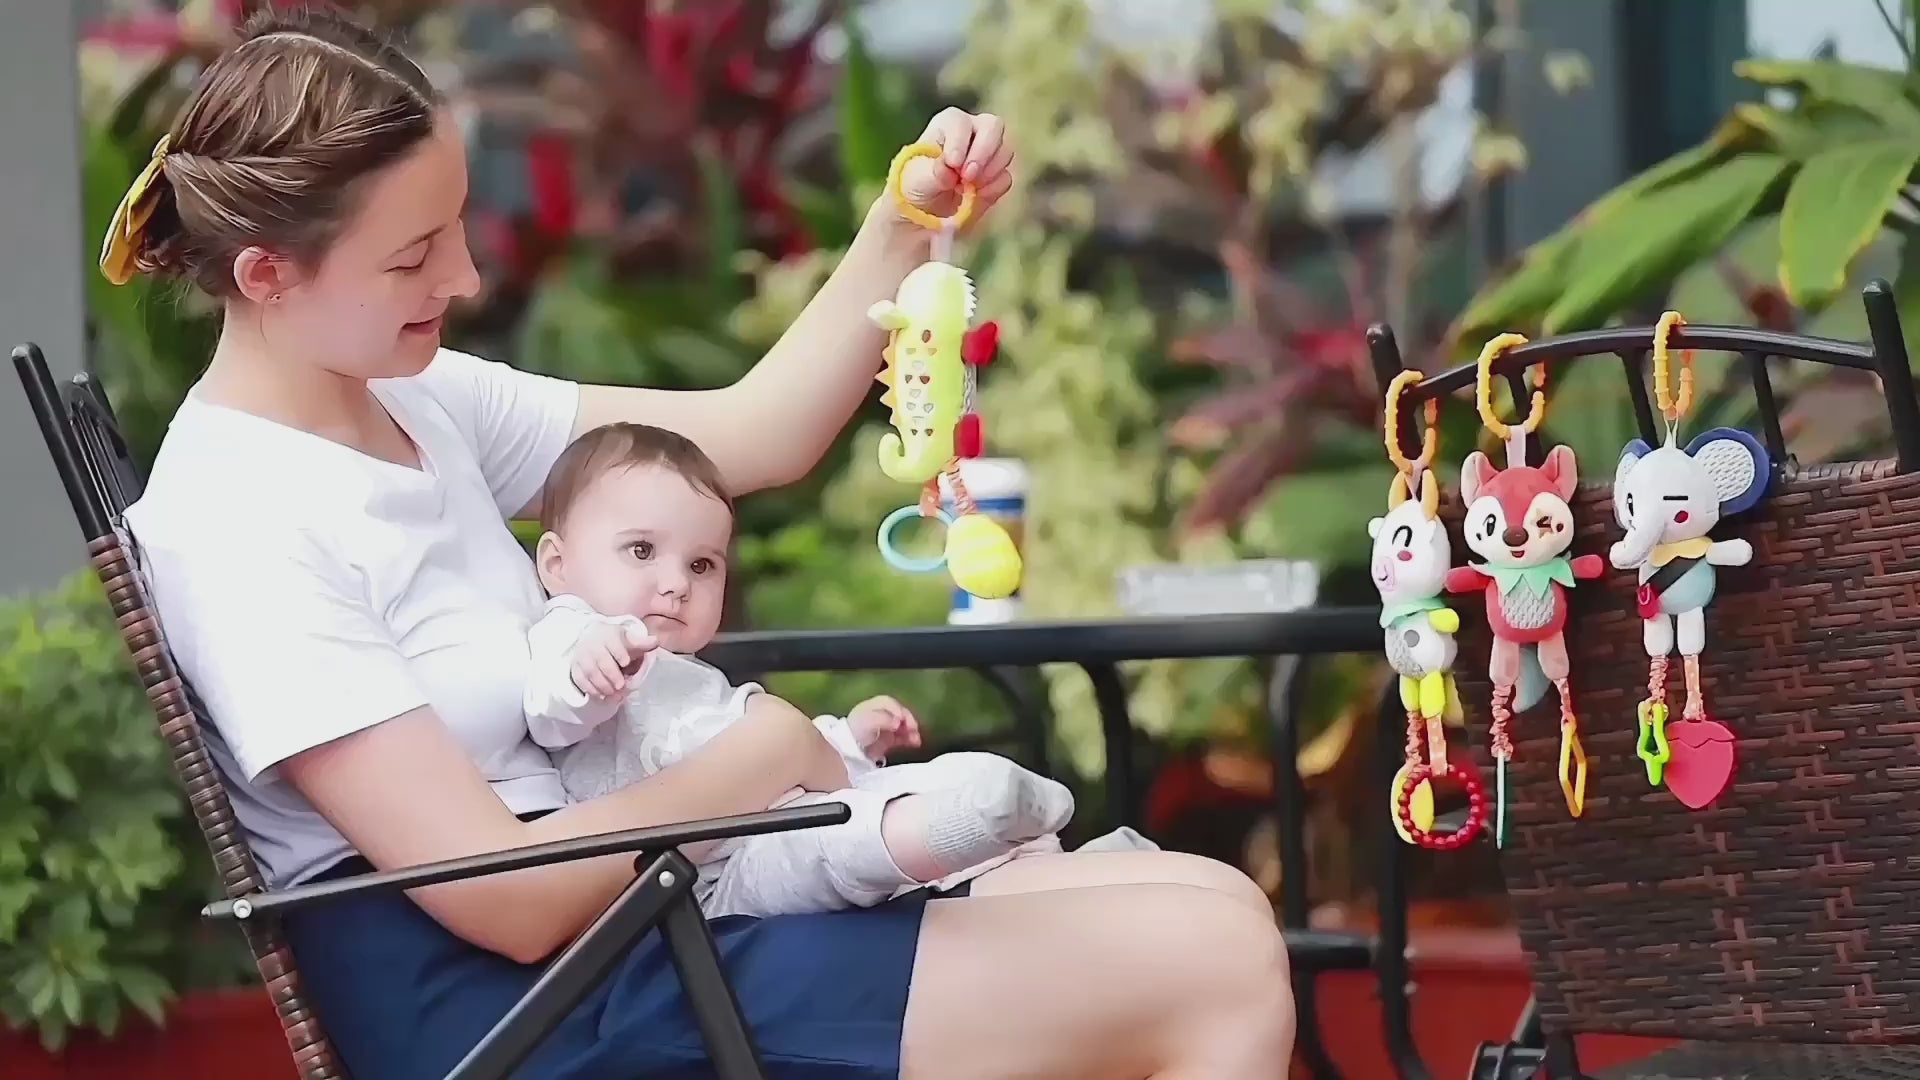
(973, 150)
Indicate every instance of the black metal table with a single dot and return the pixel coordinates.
(1095, 646)
(1098, 646)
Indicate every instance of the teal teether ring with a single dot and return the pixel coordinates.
(902, 562)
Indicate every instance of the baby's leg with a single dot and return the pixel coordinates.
(962, 809)
(807, 870)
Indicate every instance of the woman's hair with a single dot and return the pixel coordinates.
(611, 447)
(272, 145)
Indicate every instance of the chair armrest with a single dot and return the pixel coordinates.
(652, 839)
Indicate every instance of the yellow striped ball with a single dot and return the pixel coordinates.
(982, 557)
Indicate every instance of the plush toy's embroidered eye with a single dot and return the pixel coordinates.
(1403, 536)
(1490, 526)
(1629, 504)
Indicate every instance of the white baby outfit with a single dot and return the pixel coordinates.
(673, 705)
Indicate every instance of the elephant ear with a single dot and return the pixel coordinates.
(1738, 465)
(1630, 456)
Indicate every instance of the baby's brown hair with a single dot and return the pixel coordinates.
(609, 447)
(272, 146)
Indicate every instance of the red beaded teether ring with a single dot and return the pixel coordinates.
(1469, 780)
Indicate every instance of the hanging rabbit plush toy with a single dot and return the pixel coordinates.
(1411, 558)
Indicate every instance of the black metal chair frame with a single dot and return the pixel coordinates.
(1885, 354)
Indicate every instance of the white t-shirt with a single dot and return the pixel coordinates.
(309, 591)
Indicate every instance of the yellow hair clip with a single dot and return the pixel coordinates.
(129, 218)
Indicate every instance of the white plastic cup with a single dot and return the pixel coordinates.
(998, 486)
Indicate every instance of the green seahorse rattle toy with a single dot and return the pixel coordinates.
(930, 363)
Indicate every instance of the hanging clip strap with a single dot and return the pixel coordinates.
(1672, 406)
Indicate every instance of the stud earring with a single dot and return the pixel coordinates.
(274, 299)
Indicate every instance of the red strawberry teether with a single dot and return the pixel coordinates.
(1702, 763)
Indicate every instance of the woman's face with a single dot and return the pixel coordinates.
(374, 305)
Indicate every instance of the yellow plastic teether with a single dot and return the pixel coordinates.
(1421, 805)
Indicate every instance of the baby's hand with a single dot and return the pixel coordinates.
(606, 656)
(882, 725)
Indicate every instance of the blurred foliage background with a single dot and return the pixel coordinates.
(1183, 296)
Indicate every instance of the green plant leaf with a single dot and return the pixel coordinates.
(1646, 244)
(145, 990)
(1805, 131)
(876, 116)
(830, 215)
(1834, 208)
(1321, 516)
(1881, 92)
(1520, 298)
(726, 228)
(865, 149)
(1906, 296)
(93, 828)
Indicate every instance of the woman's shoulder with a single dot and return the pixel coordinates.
(463, 383)
(222, 479)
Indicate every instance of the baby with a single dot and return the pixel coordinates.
(633, 555)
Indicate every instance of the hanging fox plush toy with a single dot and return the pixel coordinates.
(1520, 522)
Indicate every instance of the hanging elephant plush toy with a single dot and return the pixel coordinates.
(1667, 500)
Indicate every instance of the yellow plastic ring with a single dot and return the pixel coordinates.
(1429, 439)
(1671, 406)
(1483, 390)
(896, 178)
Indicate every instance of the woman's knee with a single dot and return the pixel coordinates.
(1245, 1021)
(1077, 870)
(1205, 873)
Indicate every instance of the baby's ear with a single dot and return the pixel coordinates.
(549, 563)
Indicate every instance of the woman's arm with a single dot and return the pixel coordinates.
(772, 426)
(404, 793)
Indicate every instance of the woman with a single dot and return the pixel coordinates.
(324, 532)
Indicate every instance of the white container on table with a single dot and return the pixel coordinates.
(998, 486)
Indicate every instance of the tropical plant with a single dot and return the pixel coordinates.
(101, 867)
(1067, 394)
(1289, 423)
(1826, 159)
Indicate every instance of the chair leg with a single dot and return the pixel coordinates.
(1505, 1061)
(1562, 1060)
(1526, 1030)
(581, 966)
(697, 958)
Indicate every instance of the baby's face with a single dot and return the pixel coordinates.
(643, 541)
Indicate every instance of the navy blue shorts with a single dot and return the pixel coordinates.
(404, 999)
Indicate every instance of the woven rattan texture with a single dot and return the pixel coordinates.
(1790, 909)
(313, 1057)
(1762, 1061)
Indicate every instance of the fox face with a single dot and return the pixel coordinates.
(1519, 517)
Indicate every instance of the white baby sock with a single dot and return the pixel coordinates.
(1124, 838)
(978, 806)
